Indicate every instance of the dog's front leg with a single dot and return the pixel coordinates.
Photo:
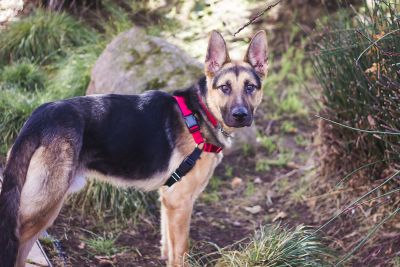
(177, 205)
(175, 225)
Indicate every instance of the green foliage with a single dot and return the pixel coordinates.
(272, 246)
(276, 246)
(268, 143)
(288, 127)
(117, 21)
(42, 35)
(250, 189)
(283, 86)
(211, 195)
(122, 204)
(73, 73)
(15, 107)
(102, 245)
(22, 75)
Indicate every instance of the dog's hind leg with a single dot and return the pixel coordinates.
(48, 178)
(177, 205)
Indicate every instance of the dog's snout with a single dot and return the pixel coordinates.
(239, 113)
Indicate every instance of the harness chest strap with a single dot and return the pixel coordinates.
(194, 128)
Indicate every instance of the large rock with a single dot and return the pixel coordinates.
(134, 62)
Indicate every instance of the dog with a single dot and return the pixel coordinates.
(140, 141)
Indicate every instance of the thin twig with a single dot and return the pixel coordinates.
(256, 17)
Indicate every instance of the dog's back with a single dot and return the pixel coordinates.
(131, 137)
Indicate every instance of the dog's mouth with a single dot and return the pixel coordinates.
(235, 122)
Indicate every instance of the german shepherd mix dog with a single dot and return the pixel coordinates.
(129, 140)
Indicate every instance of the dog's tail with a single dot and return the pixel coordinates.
(13, 180)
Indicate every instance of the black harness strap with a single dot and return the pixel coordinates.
(186, 165)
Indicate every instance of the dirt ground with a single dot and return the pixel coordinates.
(237, 201)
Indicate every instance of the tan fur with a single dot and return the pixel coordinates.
(50, 166)
(216, 99)
(177, 204)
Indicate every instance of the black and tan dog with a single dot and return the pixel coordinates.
(129, 140)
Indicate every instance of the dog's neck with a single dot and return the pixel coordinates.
(220, 135)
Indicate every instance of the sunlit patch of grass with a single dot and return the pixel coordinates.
(284, 85)
(72, 75)
(42, 35)
(22, 75)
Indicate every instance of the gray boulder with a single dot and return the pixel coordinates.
(135, 62)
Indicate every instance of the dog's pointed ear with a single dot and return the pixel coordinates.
(217, 53)
(257, 53)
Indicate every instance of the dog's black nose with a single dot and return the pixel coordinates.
(239, 113)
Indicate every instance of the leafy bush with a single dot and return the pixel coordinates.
(22, 75)
(357, 65)
(42, 35)
(272, 246)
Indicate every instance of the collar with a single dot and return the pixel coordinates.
(211, 117)
(193, 125)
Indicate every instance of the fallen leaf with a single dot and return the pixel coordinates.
(81, 245)
(257, 180)
(236, 182)
(253, 210)
(280, 216)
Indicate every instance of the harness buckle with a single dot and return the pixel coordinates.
(191, 123)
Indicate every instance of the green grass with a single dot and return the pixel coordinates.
(72, 74)
(22, 75)
(119, 204)
(15, 107)
(271, 246)
(268, 143)
(211, 194)
(102, 245)
(41, 36)
(284, 88)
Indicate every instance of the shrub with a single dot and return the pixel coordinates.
(357, 65)
(272, 246)
(22, 75)
(41, 36)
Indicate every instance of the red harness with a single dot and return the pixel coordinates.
(194, 127)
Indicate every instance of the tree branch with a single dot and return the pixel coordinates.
(256, 17)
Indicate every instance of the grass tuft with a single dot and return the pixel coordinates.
(41, 36)
(22, 75)
(271, 246)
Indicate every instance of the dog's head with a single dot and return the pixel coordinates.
(234, 88)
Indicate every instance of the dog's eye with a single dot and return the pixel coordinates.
(225, 89)
(250, 88)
